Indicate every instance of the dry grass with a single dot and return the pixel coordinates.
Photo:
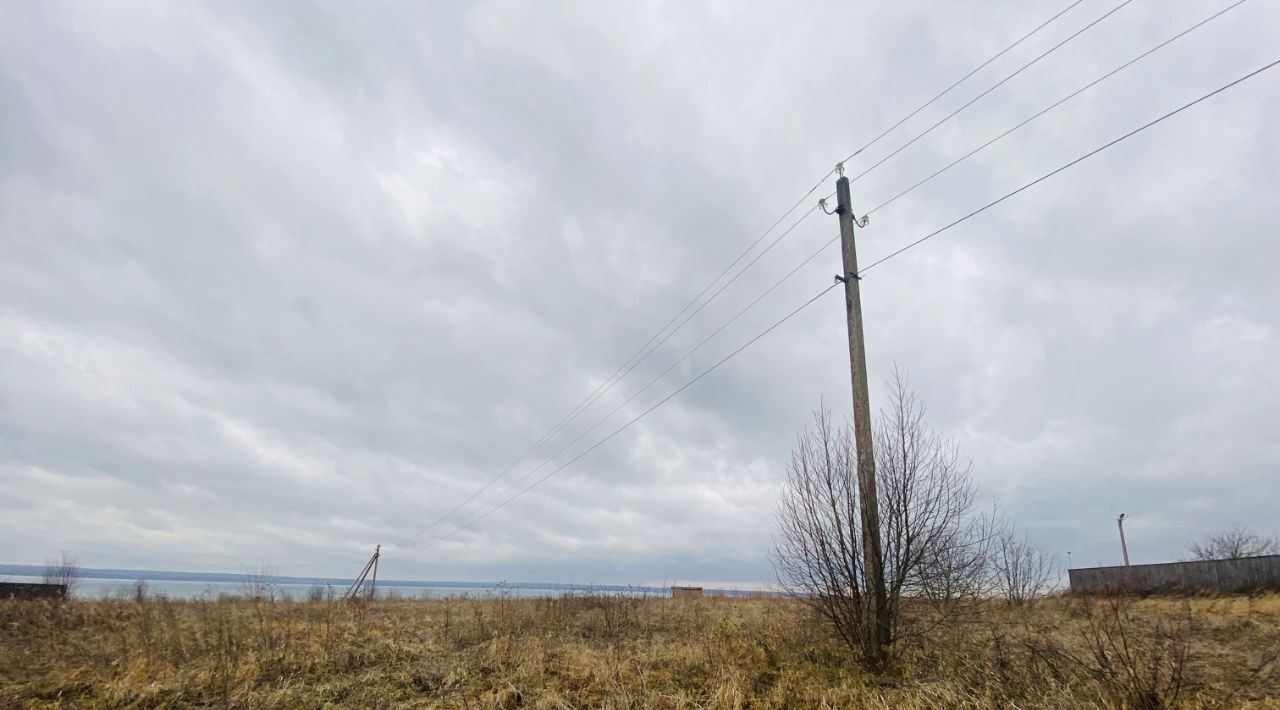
(604, 651)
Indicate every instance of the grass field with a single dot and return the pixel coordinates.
(611, 651)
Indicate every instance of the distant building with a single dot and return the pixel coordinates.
(22, 590)
(678, 592)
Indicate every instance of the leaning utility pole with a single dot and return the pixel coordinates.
(372, 564)
(872, 555)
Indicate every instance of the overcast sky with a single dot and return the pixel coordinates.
(280, 282)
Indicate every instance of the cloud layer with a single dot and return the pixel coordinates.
(279, 283)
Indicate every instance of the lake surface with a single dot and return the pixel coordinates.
(105, 588)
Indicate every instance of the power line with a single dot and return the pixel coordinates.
(647, 349)
(649, 346)
(795, 269)
(993, 87)
(1080, 159)
(638, 417)
(861, 273)
(960, 81)
(670, 367)
(628, 367)
(1061, 101)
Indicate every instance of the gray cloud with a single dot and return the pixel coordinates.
(281, 282)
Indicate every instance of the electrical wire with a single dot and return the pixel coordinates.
(635, 419)
(649, 346)
(991, 88)
(961, 80)
(672, 366)
(876, 263)
(1060, 101)
(647, 349)
(679, 360)
(860, 275)
(1076, 161)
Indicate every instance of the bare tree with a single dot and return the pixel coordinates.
(933, 546)
(1022, 570)
(259, 584)
(817, 554)
(961, 572)
(1236, 541)
(62, 571)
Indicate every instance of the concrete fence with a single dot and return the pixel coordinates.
(1243, 574)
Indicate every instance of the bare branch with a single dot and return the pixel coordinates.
(1234, 542)
(62, 571)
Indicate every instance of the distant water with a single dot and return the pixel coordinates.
(99, 588)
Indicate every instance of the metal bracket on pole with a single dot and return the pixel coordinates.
(866, 218)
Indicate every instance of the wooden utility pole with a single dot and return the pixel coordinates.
(877, 640)
(373, 583)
